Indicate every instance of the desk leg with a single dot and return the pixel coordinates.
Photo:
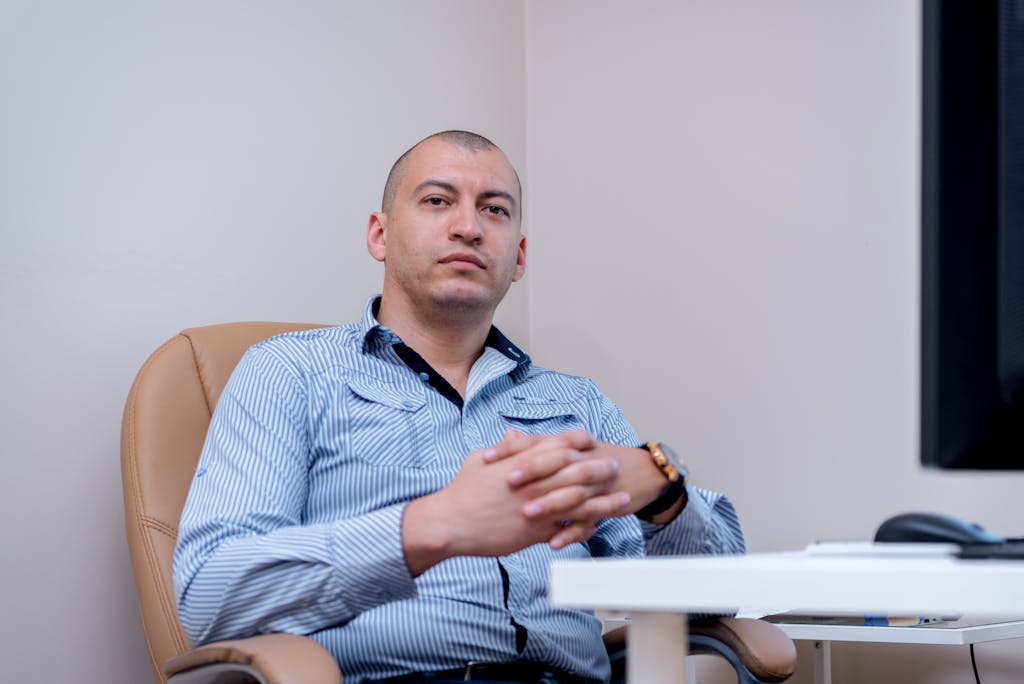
(822, 662)
(657, 648)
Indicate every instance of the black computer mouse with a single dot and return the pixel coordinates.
(935, 528)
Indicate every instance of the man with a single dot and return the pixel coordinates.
(397, 488)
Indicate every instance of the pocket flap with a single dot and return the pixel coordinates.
(405, 397)
(534, 408)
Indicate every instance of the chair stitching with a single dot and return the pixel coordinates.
(132, 470)
(136, 486)
(161, 526)
(203, 382)
(165, 601)
(132, 451)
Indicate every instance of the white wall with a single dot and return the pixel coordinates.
(724, 211)
(170, 164)
(732, 184)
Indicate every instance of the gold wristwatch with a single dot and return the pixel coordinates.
(674, 471)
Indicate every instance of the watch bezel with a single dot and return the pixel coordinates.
(667, 460)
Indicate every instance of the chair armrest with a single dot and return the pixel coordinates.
(762, 647)
(267, 659)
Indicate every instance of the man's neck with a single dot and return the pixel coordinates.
(450, 344)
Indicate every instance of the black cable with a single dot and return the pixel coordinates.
(974, 666)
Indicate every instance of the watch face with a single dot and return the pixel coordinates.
(673, 458)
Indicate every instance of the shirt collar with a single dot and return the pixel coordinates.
(376, 335)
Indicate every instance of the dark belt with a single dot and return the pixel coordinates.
(517, 672)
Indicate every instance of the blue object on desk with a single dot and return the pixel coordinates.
(904, 621)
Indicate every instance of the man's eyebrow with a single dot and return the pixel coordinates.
(488, 194)
(433, 183)
(448, 187)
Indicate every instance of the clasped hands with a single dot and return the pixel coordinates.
(528, 489)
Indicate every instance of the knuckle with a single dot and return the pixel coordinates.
(572, 497)
(599, 471)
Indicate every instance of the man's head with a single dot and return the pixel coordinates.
(463, 139)
(449, 229)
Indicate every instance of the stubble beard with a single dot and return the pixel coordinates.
(456, 304)
(455, 300)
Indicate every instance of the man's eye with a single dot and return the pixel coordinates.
(497, 210)
(435, 201)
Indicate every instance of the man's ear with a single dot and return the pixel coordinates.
(376, 238)
(520, 260)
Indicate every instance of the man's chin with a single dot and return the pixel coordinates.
(467, 300)
(466, 304)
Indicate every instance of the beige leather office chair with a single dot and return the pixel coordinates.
(165, 421)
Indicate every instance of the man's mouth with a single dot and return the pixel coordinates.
(463, 257)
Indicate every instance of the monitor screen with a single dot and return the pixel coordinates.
(972, 234)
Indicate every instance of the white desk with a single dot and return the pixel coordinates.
(658, 592)
(960, 633)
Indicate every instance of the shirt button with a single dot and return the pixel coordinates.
(409, 404)
(425, 377)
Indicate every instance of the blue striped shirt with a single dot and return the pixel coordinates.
(318, 442)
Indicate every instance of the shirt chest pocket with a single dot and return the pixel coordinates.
(388, 425)
(539, 416)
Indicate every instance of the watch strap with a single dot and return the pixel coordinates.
(674, 488)
(669, 466)
(669, 495)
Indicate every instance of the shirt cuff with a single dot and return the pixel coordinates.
(687, 531)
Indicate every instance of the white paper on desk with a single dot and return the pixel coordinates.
(868, 549)
(760, 613)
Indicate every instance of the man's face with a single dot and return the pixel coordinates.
(452, 235)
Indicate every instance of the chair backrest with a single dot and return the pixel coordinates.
(165, 421)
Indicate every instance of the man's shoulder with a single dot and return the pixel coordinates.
(310, 348)
(541, 376)
(310, 337)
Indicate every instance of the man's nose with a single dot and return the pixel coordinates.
(466, 225)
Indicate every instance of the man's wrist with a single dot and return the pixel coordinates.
(425, 543)
(673, 495)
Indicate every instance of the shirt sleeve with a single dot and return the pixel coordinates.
(246, 562)
(709, 523)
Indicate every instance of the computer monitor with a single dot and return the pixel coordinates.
(972, 234)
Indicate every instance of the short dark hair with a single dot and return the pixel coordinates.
(463, 139)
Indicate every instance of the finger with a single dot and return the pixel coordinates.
(608, 505)
(578, 439)
(512, 443)
(549, 454)
(548, 473)
(560, 502)
(543, 460)
(577, 503)
(571, 534)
